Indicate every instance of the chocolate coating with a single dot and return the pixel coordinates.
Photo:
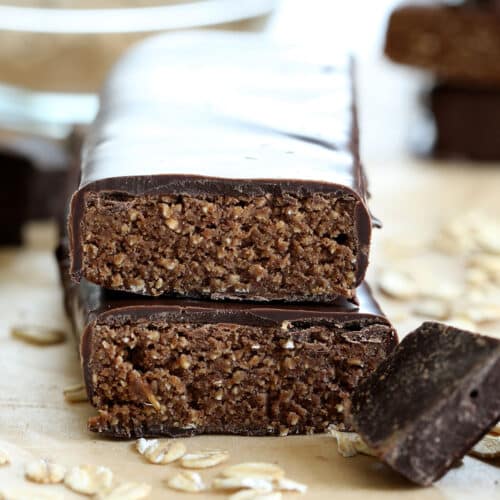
(219, 114)
(95, 302)
(430, 401)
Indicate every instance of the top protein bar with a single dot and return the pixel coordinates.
(225, 167)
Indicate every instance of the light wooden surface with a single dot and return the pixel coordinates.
(412, 198)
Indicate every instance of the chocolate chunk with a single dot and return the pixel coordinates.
(430, 401)
(168, 367)
(458, 43)
(222, 166)
(466, 122)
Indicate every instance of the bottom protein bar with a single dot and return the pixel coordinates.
(159, 367)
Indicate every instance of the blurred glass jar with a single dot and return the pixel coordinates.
(70, 45)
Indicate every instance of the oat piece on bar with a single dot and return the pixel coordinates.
(170, 367)
(222, 166)
(430, 401)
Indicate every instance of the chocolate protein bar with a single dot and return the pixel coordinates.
(465, 122)
(35, 172)
(430, 401)
(222, 166)
(460, 43)
(164, 367)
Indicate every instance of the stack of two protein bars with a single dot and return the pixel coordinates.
(219, 240)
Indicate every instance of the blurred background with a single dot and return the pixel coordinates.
(54, 54)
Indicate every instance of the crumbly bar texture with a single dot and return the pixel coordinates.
(151, 378)
(430, 401)
(459, 43)
(267, 247)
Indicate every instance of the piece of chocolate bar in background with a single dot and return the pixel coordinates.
(466, 122)
(458, 43)
(430, 401)
(239, 179)
(39, 176)
(164, 367)
(492, 6)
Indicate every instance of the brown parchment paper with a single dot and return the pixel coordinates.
(35, 421)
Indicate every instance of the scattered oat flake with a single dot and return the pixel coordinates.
(44, 472)
(444, 290)
(461, 323)
(22, 493)
(142, 444)
(160, 452)
(488, 239)
(204, 459)
(397, 285)
(239, 483)
(254, 469)
(88, 479)
(75, 394)
(447, 244)
(4, 458)
(188, 481)
(285, 484)
(350, 444)
(476, 277)
(256, 495)
(39, 335)
(487, 262)
(404, 247)
(126, 491)
(482, 313)
(488, 447)
(431, 308)
(398, 316)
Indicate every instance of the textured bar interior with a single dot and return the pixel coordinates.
(269, 247)
(150, 377)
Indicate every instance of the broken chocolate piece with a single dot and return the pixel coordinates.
(248, 186)
(157, 367)
(459, 43)
(430, 401)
